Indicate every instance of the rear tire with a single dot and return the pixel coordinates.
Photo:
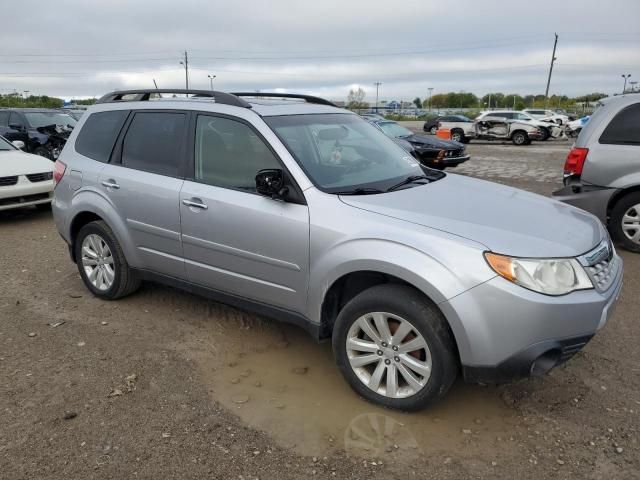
(520, 138)
(402, 309)
(624, 222)
(102, 264)
(457, 135)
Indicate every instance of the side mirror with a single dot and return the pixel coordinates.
(19, 144)
(270, 183)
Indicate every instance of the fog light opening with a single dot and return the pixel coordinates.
(545, 362)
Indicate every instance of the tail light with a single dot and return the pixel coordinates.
(58, 171)
(575, 161)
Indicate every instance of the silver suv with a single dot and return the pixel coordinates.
(290, 207)
(602, 171)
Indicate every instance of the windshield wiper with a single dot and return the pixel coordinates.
(360, 191)
(407, 181)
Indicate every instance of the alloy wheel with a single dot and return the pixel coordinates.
(631, 223)
(388, 355)
(97, 262)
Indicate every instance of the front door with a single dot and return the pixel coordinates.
(143, 182)
(234, 239)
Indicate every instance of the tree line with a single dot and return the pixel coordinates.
(504, 100)
(38, 101)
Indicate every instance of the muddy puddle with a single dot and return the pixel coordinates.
(276, 379)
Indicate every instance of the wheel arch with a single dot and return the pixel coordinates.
(615, 198)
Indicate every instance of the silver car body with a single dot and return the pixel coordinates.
(609, 170)
(284, 259)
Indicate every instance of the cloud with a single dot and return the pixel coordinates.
(85, 48)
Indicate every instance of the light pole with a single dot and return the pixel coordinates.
(211, 79)
(624, 89)
(430, 90)
(377, 84)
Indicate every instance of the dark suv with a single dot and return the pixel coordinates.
(44, 132)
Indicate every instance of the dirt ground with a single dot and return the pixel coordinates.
(164, 384)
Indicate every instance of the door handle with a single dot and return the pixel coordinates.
(111, 184)
(195, 203)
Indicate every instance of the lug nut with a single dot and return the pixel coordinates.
(387, 361)
(379, 352)
(396, 358)
(384, 344)
(395, 348)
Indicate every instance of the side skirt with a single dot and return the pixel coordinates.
(237, 301)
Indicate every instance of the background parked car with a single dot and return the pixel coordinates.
(44, 132)
(548, 115)
(25, 179)
(549, 129)
(574, 127)
(602, 171)
(429, 151)
(431, 126)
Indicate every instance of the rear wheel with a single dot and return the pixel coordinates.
(624, 222)
(457, 136)
(102, 264)
(520, 138)
(394, 347)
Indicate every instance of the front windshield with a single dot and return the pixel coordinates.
(5, 145)
(394, 129)
(341, 152)
(44, 119)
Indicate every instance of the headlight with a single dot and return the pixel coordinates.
(557, 276)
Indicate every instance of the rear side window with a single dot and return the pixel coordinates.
(99, 133)
(4, 119)
(624, 129)
(153, 142)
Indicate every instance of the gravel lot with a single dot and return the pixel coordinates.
(163, 384)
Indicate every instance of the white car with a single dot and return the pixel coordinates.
(549, 129)
(25, 179)
(548, 115)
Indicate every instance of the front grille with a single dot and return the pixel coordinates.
(40, 177)
(601, 265)
(7, 181)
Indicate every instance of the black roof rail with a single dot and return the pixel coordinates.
(145, 95)
(307, 98)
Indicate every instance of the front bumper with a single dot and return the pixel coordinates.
(593, 199)
(25, 193)
(504, 331)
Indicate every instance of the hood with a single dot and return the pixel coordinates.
(431, 142)
(15, 162)
(504, 219)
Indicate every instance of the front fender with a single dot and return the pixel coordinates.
(419, 269)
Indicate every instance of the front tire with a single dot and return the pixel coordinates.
(394, 347)
(433, 130)
(624, 222)
(102, 264)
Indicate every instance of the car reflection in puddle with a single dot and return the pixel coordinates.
(278, 380)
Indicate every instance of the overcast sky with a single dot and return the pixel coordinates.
(85, 48)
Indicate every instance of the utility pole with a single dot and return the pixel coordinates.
(626, 77)
(430, 90)
(377, 84)
(154, 82)
(185, 62)
(553, 59)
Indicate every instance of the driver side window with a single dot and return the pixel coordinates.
(229, 154)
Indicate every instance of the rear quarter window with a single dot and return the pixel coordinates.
(98, 134)
(624, 129)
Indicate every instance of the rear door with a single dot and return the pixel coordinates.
(236, 240)
(143, 183)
